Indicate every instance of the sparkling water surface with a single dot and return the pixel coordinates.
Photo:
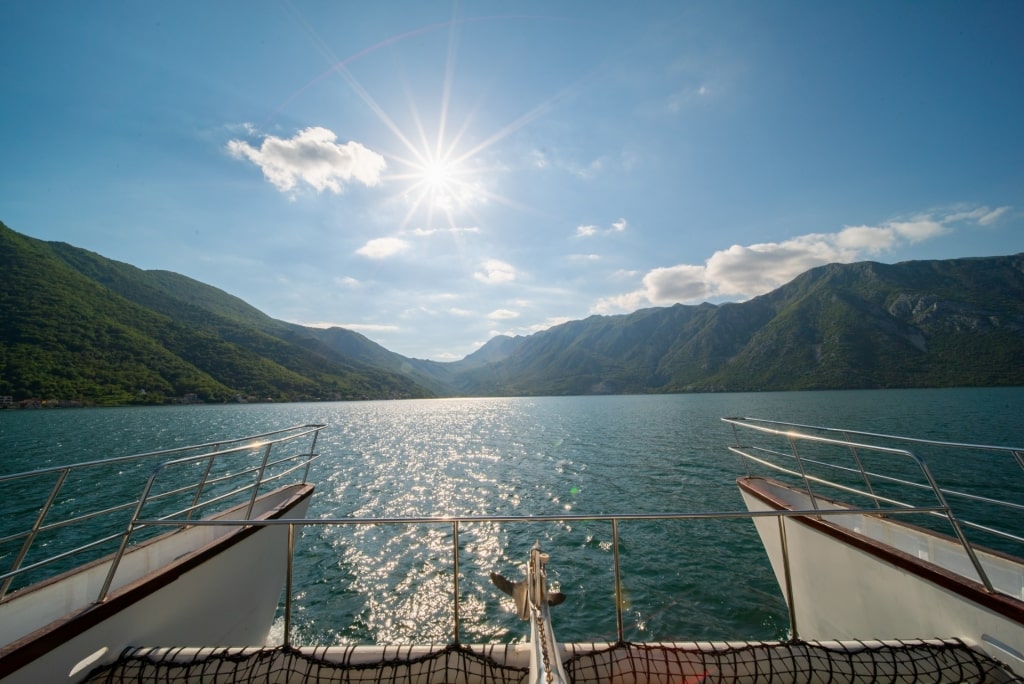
(691, 579)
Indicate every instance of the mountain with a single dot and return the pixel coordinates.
(79, 327)
(865, 325)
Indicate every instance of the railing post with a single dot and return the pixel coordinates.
(202, 483)
(455, 581)
(309, 457)
(790, 599)
(1019, 456)
(863, 473)
(739, 445)
(116, 561)
(957, 529)
(618, 582)
(259, 481)
(34, 532)
(803, 471)
(288, 587)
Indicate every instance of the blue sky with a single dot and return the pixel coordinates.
(432, 174)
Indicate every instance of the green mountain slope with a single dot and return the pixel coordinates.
(78, 326)
(81, 327)
(866, 325)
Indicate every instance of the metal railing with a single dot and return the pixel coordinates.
(264, 468)
(454, 523)
(231, 470)
(793, 459)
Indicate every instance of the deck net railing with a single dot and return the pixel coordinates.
(907, 662)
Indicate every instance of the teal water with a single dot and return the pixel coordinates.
(692, 579)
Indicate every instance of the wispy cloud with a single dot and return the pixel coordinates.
(313, 157)
(747, 271)
(588, 230)
(347, 281)
(493, 272)
(502, 315)
(555, 160)
(381, 248)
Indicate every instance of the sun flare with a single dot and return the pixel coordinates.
(437, 174)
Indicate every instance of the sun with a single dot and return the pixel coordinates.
(440, 182)
(438, 174)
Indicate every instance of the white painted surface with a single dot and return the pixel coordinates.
(235, 594)
(842, 592)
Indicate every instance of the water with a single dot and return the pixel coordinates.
(523, 456)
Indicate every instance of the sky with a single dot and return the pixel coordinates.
(432, 174)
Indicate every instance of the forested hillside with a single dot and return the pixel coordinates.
(80, 328)
(945, 323)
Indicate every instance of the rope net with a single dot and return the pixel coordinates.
(691, 663)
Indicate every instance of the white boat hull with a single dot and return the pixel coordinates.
(867, 577)
(230, 576)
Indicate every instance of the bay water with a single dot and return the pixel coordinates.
(391, 583)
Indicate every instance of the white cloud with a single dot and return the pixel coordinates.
(347, 281)
(502, 315)
(591, 230)
(744, 271)
(494, 272)
(756, 269)
(676, 283)
(919, 230)
(381, 248)
(984, 216)
(870, 239)
(577, 258)
(992, 216)
(313, 157)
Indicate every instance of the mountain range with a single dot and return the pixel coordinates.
(76, 327)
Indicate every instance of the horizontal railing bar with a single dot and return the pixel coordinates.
(14, 537)
(577, 517)
(87, 516)
(307, 429)
(249, 446)
(61, 556)
(204, 504)
(992, 530)
(227, 495)
(984, 499)
(760, 424)
(877, 476)
(300, 458)
(829, 483)
(289, 471)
